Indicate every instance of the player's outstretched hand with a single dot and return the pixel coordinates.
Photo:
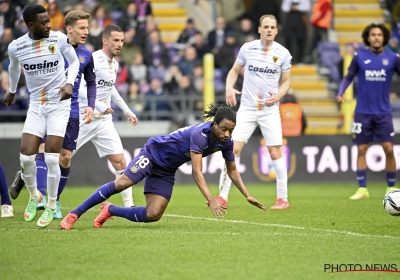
(256, 203)
(88, 115)
(65, 92)
(216, 208)
(340, 98)
(271, 100)
(231, 96)
(132, 119)
(8, 98)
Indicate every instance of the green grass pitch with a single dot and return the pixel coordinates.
(322, 227)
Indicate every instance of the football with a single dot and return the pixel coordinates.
(391, 202)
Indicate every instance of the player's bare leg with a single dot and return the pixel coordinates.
(119, 163)
(362, 191)
(281, 178)
(388, 148)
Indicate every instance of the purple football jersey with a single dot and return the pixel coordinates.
(173, 150)
(374, 72)
(85, 67)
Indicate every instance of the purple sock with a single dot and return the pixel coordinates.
(362, 178)
(391, 178)
(41, 173)
(134, 214)
(63, 180)
(99, 196)
(4, 196)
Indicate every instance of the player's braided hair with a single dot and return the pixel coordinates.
(219, 112)
(30, 13)
(381, 26)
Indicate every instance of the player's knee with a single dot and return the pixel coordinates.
(389, 151)
(65, 159)
(362, 150)
(118, 162)
(153, 215)
(27, 160)
(122, 183)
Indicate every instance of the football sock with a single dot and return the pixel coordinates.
(134, 214)
(29, 174)
(99, 196)
(4, 196)
(53, 178)
(63, 180)
(224, 183)
(127, 193)
(41, 173)
(362, 178)
(391, 178)
(281, 179)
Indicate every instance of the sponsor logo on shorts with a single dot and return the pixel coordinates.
(392, 134)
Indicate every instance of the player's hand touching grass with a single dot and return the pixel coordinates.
(216, 208)
(88, 115)
(65, 92)
(255, 202)
(8, 98)
(132, 119)
(231, 96)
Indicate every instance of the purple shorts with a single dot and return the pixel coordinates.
(159, 180)
(372, 128)
(71, 135)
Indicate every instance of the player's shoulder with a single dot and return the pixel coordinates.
(84, 51)
(280, 49)
(251, 45)
(20, 43)
(202, 128)
(57, 35)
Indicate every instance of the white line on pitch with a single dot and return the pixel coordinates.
(328, 231)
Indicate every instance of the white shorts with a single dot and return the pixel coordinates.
(270, 124)
(103, 135)
(50, 119)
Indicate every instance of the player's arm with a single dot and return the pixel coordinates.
(352, 71)
(73, 68)
(88, 112)
(230, 82)
(234, 174)
(14, 70)
(90, 78)
(197, 167)
(117, 99)
(284, 86)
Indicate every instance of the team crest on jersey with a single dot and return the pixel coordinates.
(385, 61)
(135, 169)
(275, 59)
(81, 59)
(52, 49)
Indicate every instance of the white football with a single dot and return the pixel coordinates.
(391, 202)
